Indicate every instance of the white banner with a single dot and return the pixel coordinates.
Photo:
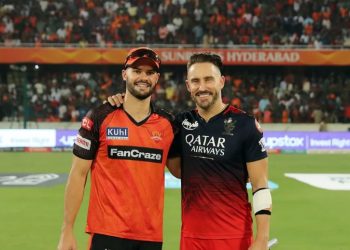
(323, 181)
(27, 138)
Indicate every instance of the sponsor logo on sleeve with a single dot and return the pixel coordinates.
(258, 126)
(135, 153)
(87, 123)
(83, 142)
(117, 133)
(262, 145)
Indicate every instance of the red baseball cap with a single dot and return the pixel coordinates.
(146, 54)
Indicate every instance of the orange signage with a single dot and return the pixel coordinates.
(176, 56)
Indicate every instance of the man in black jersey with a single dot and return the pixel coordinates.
(221, 149)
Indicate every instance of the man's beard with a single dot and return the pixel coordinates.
(207, 104)
(138, 94)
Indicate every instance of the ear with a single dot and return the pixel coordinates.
(222, 82)
(124, 74)
(188, 86)
(158, 76)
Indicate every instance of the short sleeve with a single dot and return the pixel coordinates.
(87, 140)
(254, 146)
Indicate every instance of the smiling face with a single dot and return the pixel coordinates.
(204, 82)
(140, 80)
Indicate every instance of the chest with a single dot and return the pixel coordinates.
(119, 129)
(222, 139)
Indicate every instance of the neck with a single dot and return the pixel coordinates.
(212, 111)
(136, 108)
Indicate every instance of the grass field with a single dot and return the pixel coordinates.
(304, 217)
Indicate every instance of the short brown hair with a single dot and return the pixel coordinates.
(204, 57)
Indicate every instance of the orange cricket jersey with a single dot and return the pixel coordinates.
(127, 173)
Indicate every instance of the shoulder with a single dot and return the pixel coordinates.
(103, 109)
(232, 111)
(167, 116)
(164, 113)
(235, 111)
(95, 116)
(189, 114)
(248, 121)
(186, 117)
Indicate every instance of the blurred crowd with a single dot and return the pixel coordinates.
(65, 93)
(271, 95)
(201, 22)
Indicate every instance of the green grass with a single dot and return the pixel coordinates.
(304, 217)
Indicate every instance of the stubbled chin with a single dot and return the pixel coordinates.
(203, 98)
(142, 90)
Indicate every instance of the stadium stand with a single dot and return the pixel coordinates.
(288, 22)
(290, 98)
(272, 94)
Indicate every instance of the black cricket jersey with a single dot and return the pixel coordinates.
(214, 173)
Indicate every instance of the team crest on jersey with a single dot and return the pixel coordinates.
(156, 136)
(117, 133)
(189, 125)
(229, 126)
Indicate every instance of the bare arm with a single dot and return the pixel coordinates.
(72, 200)
(258, 174)
(174, 166)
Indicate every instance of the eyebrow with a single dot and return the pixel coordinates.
(147, 70)
(205, 78)
(209, 77)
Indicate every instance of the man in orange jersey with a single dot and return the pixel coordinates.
(125, 149)
(220, 148)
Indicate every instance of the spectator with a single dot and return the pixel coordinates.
(96, 22)
(104, 23)
(317, 115)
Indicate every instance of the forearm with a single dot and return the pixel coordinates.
(73, 198)
(262, 202)
(262, 227)
(74, 192)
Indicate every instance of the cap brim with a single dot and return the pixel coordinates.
(142, 60)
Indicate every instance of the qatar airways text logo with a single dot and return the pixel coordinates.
(205, 144)
(285, 141)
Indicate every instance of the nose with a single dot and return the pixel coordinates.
(144, 75)
(202, 85)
